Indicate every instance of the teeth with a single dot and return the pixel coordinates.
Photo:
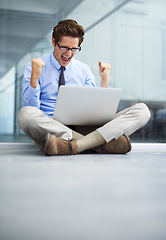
(66, 57)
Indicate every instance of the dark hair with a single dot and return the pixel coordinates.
(70, 28)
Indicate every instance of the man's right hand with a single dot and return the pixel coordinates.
(37, 65)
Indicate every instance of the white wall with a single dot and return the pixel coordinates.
(133, 41)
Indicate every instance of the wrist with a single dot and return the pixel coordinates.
(34, 82)
(104, 83)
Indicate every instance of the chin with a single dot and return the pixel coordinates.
(64, 64)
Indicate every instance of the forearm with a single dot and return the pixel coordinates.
(34, 82)
(104, 83)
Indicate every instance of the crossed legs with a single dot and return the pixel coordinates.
(55, 138)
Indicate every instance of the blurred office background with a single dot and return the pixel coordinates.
(131, 35)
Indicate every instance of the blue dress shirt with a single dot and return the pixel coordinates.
(44, 96)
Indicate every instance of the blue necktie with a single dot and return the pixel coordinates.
(61, 77)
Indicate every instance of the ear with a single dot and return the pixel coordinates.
(53, 42)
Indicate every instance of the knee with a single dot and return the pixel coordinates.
(25, 115)
(143, 113)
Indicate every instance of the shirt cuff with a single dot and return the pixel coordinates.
(34, 92)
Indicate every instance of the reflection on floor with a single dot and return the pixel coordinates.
(82, 197)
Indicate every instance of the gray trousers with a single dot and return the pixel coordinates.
(36, 124)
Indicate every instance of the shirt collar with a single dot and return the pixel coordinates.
(56, 64)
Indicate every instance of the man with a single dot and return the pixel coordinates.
(40, 89)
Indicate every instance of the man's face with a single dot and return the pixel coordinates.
(65, 57)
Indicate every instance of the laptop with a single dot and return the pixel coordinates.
(86, 105)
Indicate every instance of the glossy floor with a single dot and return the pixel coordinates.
(82, 197)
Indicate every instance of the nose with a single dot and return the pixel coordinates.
(68, 53)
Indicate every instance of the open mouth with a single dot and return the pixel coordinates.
(65, 60)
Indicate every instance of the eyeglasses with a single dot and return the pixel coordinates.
(66, 49)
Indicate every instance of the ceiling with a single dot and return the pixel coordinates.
(23, 23)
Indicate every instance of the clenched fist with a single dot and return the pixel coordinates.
(37, 65)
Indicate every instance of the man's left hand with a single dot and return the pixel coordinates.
(104, 71)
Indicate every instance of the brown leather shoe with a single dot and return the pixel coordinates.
(120, 146)
(58, 146)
